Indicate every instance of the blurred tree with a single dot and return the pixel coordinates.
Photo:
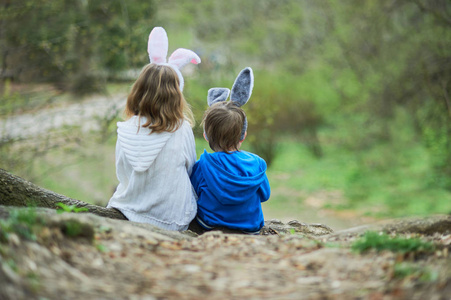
(315, 62)
(376, 56)
(122, 29)
(399, 53)
(72, 44)
(270, 35)
(32, 50)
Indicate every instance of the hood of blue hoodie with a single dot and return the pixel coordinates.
(233, 177)
(139, 146)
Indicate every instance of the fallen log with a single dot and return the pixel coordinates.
(16, 191)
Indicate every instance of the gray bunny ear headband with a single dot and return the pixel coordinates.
(240, 94)
(157, 48)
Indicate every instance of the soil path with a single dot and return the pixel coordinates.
(86, 114)
(112, 259)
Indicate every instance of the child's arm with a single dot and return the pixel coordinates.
(191, 159)
(190, 152)
(264, 191)
(196, 178)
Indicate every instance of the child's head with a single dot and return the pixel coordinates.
(156, 95)
(223, 124)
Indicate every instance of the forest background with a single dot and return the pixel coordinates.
(351, 106)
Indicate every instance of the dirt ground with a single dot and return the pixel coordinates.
(112, 259)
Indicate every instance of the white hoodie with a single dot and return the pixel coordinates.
(153, 172)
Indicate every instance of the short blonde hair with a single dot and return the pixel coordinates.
(223, 124)
(156, 95)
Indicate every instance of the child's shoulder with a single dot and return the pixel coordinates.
(130, 124)
(248, 154)
(185, 127)
(186, 124)
(252, 156)
(241, 155)
(132, 121)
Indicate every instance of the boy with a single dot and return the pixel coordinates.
(230, 184)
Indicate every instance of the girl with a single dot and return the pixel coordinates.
(155, 152)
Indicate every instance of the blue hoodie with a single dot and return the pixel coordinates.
(231, 188)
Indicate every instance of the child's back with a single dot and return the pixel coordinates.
(230, 184)
(153, 170)
(231, 187)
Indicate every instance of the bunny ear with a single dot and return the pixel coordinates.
(181, 57)
(217, 95)
(157, 46)
(242, 87)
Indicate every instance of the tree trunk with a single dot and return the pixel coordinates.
(15, 191)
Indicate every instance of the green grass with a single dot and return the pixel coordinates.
(381, 241)
(201, 145)
(88, 174)
(23, 222)
(408, 270)
(84, 172)
(75, 229)
(381, 182)
(305, 172)
(69, 208)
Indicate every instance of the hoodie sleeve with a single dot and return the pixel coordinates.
(196, 178)
(264, 191)
(189, 149)
(122, 168)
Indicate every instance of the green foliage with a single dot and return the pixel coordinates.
(75, 229)
(14, 101)
(407, 270)
(23, 222)
(436, 132)
(89, 165)
(72, 228)
(120, 29)
(12, 265)
(341, 180)
(10, 101)
(407, 78)
(101, 248)
(372, 240)
(26, 224)
(360, 66)
(70, 208)
(73, 44)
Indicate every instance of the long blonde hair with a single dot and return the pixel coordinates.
(156, 95)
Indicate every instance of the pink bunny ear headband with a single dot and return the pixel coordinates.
(157, 47)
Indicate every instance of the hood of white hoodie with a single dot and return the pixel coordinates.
(139, 146)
